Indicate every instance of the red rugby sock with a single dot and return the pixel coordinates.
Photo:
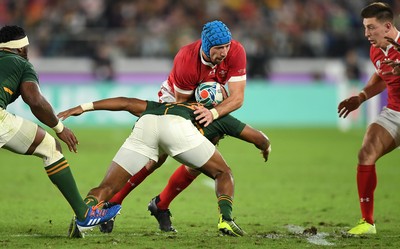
(366, 183)
(134, 181)
(178, 181)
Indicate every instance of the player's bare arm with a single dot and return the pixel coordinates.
(374, 86)
(258, 138)
(132, 105)
(233, 102)
(39, 106)
(235, 99)
(44, 112)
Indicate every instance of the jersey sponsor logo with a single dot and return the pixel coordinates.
(222, 73)
(212, 72)
(378, 64)
(378, 67)
(8, 90)
(242, 71)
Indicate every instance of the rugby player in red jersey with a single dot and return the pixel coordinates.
(214, 57)
(383, 135)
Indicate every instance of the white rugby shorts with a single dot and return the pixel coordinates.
(165, 95)
(16, 134)
(390, 120)
(157, 134)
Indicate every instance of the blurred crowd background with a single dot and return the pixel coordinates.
(105, 29)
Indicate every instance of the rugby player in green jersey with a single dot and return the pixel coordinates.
(21, 136)
(171, 128)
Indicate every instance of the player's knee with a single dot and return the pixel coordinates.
(48, 150)
(192, 171)
(367, 155)
(223, 172)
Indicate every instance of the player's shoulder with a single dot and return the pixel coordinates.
(236, 49)
(8, 56)
(188, 54)
(236, 45)
(153, 104)
(376, 53)
(193, 47)
(14, 60)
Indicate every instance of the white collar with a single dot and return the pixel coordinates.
(206, 62)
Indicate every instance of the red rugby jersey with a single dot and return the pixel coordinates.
(189, 69)
(377, 55)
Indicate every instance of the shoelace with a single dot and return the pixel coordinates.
(96, 211)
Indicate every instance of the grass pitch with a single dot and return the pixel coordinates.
(305, 196)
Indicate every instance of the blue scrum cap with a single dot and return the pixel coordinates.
(214, 33)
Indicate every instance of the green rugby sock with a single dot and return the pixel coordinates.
(90, 200)
(225, 203)
(60, 175)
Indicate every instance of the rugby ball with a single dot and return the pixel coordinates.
(209, 93)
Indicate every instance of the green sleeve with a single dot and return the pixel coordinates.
(227, 125)
(29, 74)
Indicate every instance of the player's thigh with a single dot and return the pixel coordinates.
(16, 134)
(144, 138)
(198, 156)
(376, 143)
(390, 120)
(215, 165)
(178, 135)
(383, 135)
(132, 161)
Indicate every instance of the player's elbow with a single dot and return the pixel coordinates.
(36, 104)
(238, 100)
(262, 142)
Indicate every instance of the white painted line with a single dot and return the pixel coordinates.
(319, 239)
(27, 235)
(316, 239)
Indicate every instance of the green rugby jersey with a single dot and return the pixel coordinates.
(13, 71)
(226, 125)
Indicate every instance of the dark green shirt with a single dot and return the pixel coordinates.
(226, 125)
(13, 71)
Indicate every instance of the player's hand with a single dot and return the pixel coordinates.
(75, 111)
(395, 67)
(204, 116)
(348, 105)
(394, 43)
(265, 153)
(68, 137)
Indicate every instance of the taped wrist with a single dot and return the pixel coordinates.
(59, 127)
(214, 113)
(87, 106)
